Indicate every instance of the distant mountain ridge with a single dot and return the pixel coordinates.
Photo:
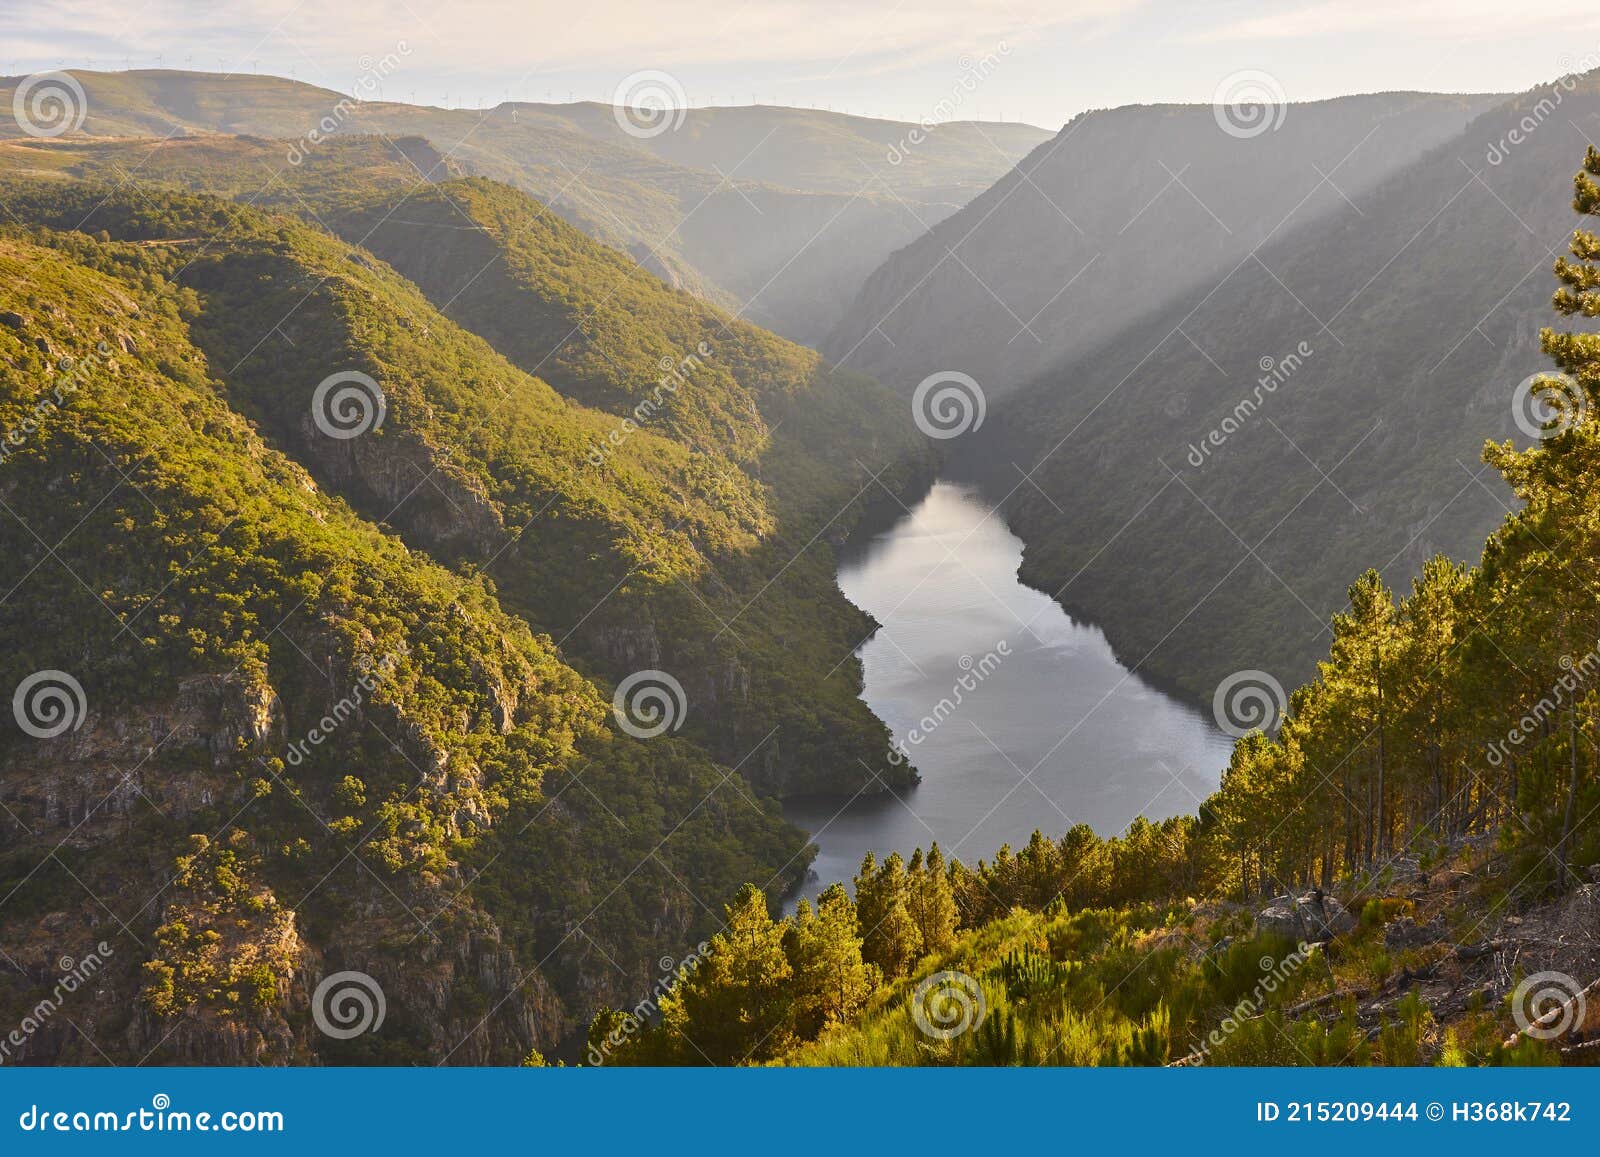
(778, 214)
(1198, 481)
(1124, 210)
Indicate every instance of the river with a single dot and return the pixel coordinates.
(1017, 716)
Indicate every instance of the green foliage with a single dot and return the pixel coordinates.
(891, 939)
(686, 502)
(181, 565)
(832, 981)
(1027, 973)
(736, 1007)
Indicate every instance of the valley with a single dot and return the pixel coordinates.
(974, 674)
(528, 561)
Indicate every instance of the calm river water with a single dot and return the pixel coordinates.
(1040, 726)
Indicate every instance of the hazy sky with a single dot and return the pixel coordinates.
(1049, 59)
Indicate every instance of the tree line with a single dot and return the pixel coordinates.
(1468, 707)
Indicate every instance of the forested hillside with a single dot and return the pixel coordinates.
(1431, 804)
(1199, 483)
(350, 590)
(269, 741)
(1124, 212)
(778, 213)
(682, 541)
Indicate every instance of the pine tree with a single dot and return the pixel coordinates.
(737, 1005)
(933, 901)
(889, 937)
(1357, 670)
(832, 982)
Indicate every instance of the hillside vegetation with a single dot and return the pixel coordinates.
(1434, 794)
(214, 603)
(1124, 212)
(662, 544)
(777, 213)
(346, 693)
(1200, 482)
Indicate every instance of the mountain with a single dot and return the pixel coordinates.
(258, 740)
(824, 152)
(385, 559)
(776, 214)
(1350, 371)
(676, 520)
(1124, 211)
(1403, 874)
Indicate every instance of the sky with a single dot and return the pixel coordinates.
(1041, 61)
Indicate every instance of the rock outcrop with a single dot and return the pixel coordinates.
(1312, 917)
